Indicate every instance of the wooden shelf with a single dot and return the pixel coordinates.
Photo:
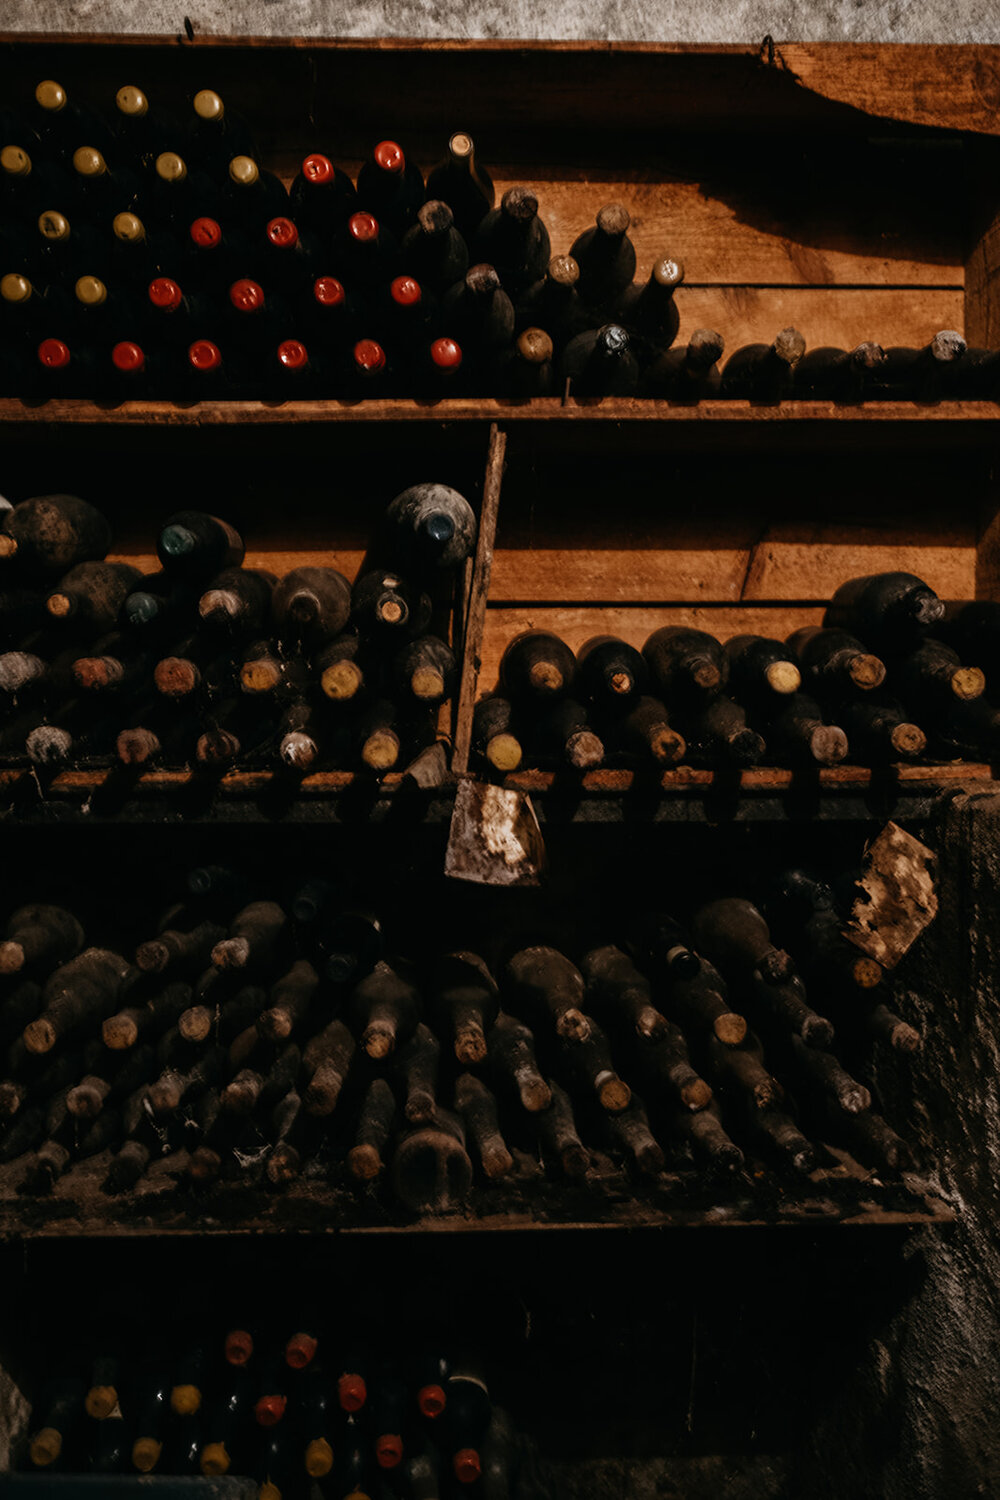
(975, 415)
(684, 794)
(841, 1193)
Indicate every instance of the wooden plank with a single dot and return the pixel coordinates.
(982, 286)
(724, 558)
(576, 624)
(478, 594)
(950, 88)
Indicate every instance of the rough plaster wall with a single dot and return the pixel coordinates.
(920, 1408)
(614, 20)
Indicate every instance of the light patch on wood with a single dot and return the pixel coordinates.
(898, 898)
(494, 837)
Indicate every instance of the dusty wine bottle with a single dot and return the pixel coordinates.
(432, 249)
(536, 666)
(834, 663)
(386, 607)
(797, 733)
(321, 196)
(610, 673)
(429, 527)
(478, 310)
(82, 990)
(554, 304)
(932, 675)
(366, 1161)
(90, 596)
(416, 1064)
(255, 937)
(494, 734)
(605, 256)
(48, 535)
(559, 1139)
(615, 987)
(717, 733)
(849, 375)
(649, 311)
(890, 612)
(687, 374)
(600, 362)
(879, 732)
(463, 184)
(386, 1008)
(478, 1109)
(764, 372)
(464, 1001)
(761, 671)
(630, 1131)
(511, 1051)
(238, 600)
(391, 186)
(38, 938)
(646, 731)
(326, 1061)
(514, 240)
(548, 984)
(430, 1170)
(685, 663)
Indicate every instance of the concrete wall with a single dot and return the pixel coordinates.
(614, 20)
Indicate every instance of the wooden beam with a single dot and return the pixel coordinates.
(478, 595)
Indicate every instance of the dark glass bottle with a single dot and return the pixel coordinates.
(687, 374)
(479, 311)
(834, 662)
(536, 666)
(391, 186)
(192, 545)
(463, 184)
(764, 372)
(890, 612)
(840, 374)
(514, 240)
(605, 256)
(44, 537)
(321, 195)
(600, 362)
(429, 527)
(685, 663)
(433, 250)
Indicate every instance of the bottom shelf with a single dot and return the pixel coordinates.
(839, 1192)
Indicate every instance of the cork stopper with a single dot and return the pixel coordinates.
(11, 957)
(503, 752)
(128, 228)
(100, 1401)
(534, 346)
(51, 95)
(584, 750)
(88, 162)
(299, 752)
(666, 746)
(520, 204)
(573, 1025)
(170, 167)
(730, 1028)
(908, 740)
(146, 1454)
(164, 1095)
(260, 676)
(195, 1024)
(381, 750)
(668, 273)
(243, 171)
(705, 675)
(8, 548)
(828, 744)
(217, 747)
(866, 972)
(46, 1446)
(866, 671)
(613, 1092)
(968, 683)
(341, 680)
(208, 105)
(185, 1400)
(613, 220)
(546, 678)
(535, 1094)
(15, 287)
(783, 677)
(460, 146)
(175, 676)
(696, 1094)
(15, 161)
(120, 1032)
(318, 1458)
(86, 1100)
(947, 346)
(53, 226)
(214, 1459)
(216, 602)
(283, 1165)
(238, 1347)
(90, 291)
(231, 953)
(470, 1045)
(789, 346)
(427, 684)
(378, 1040)
(364, 1163)
(131, 101)
(49, 745)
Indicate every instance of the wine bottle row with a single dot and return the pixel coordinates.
(211, 663)
(267, 1040)
(152, 257)
(303, 1415)
(893, 674)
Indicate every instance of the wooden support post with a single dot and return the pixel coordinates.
(478, 594)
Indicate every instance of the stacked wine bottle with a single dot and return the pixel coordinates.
(263, 1040)
(210, 663)
(303, 1416)
(893, 675)
(150, 256)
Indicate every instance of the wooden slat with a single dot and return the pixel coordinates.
(478, 595)
(726, 559)
(836, 315)
(577, 624)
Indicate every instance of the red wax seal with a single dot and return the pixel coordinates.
(293, 355)
(328, 291)
(467, 1466)
(246, 296)
(388, 1450)
(300, 1350)
(352, 1393)
(405, 292)
(369, 356)
(53, 354)
(363, 227)
(446, 354)
(270, 1410)
(318, 168)
(389, 156)
(204, 355)
(432, 1400)
(165, 294)
(127, 357)
(206, 234)
(239, 1343)
(283, 234)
